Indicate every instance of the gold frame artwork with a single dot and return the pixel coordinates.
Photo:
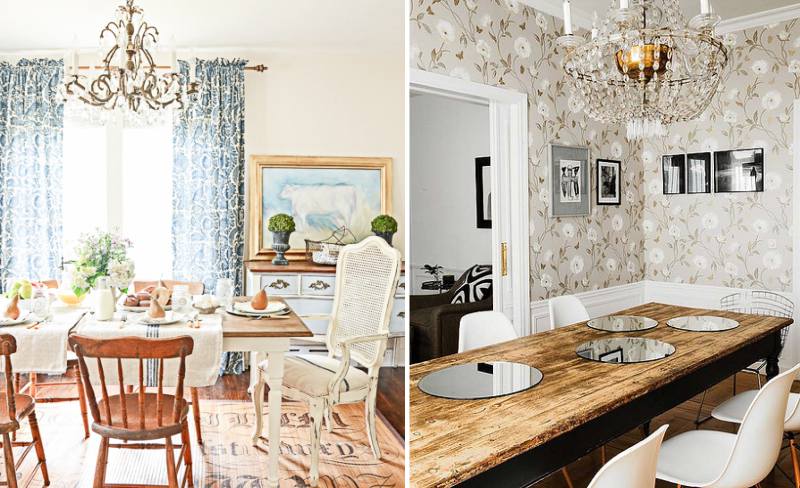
(257, 249)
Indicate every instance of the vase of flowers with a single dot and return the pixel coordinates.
(384, 226)
(102, 254)
(281, 226)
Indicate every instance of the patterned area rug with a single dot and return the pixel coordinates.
(227, 459)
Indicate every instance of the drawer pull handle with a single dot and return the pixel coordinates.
(401, 315)
(319, 285)
(279, 284)
(402, 286)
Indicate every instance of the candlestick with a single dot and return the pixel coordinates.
(705, 8)
(567, 19)
(595, 23)
(623, 4)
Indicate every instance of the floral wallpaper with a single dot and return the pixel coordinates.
(732, 239)
(505, 43)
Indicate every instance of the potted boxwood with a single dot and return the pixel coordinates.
(281, 226)
(384, 226)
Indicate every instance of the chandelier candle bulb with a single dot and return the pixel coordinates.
(567, 19)
(623, 4)
(705, 7)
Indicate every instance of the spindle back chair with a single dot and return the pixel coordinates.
(140, 416)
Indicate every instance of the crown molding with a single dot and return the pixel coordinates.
(774, 16)
(581, 18)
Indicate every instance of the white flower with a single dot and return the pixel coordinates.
(486, 20)
(523, 47)
(616, 149)
(446, 30)
(536, 247)
(541, 21)
(483, 48)
(731, 268)
(730, 117)
(544, 195)
(710, 220)
(656, 255)
(617, 222)
(700, 262)
(666, 272)
(648, 226)
(471, 4)
(576, 264)
(546, 280)
(772, 244)
(783, 36)
(568, 230)
(512, 5)
(575, 103)
(772, 180)
(771, 100)
(460, 73)
(547, 256)
(674, 231)
(543, 109)
(544, 84)
(629, 196)
(730, 39)
(648, 157)
(732, 94)
(611, 264)
(592, 234)
(654, 187)
(794, 66)
(760, 67)
(772, 260)
(760, 226)
(591, 135)
(631, 267)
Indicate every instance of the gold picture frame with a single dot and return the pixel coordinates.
(315, 175)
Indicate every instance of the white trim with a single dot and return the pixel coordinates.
(597, 302)
(774, 16)
(508, 115)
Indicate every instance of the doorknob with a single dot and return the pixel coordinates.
(504, 258)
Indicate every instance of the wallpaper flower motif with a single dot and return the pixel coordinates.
(504, 43)
(732, 239)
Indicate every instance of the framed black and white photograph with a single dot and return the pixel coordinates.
(698, 173)
(673, 169)
(609, 182)
(741, 170)
(569, 181)
(483, 192)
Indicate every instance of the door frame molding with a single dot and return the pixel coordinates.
(508, 133)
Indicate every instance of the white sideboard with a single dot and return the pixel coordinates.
(309, 288)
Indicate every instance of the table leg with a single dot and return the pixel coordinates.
(772, 359)
(254, 377)
(275, 382)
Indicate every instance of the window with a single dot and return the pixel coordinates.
(120, 179)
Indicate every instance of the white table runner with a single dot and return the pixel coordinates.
(43, 350)
(202, 366)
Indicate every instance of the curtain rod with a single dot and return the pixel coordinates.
(259, 68)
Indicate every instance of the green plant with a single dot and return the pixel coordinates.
(281, 223)
(384, 224)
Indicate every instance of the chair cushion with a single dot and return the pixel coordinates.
(694, 458)
(477, 285)
(311, 374)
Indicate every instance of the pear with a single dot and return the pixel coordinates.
(156, 311)
(12, 312)
(162, 295)
(259, 301)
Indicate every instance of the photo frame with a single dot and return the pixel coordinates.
(673, 171)
(698, 173)
(305, 187)
(609, 182)
(569, 181)
(738, 171)
(483, 192)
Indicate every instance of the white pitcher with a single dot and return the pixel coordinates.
(104, 303)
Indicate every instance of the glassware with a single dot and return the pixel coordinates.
(40, 302)
(181, 299)
(224, 292)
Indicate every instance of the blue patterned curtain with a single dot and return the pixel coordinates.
(208, 182)
(31, 158)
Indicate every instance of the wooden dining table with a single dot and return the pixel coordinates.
(580, 405)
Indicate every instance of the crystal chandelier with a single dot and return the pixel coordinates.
(128, 76)
(645, 66)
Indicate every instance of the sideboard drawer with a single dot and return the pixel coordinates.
(281, 284)
(317, 285)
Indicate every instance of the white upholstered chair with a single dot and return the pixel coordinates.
(366, 280)
(480, 329)
(634, 467)
(566, 310)
(713, 459)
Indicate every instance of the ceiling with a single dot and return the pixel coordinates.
(266, 24)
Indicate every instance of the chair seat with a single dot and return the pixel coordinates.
(733, 409)
(24, 406)
(135, 430)
(695, 458)
(312, 373)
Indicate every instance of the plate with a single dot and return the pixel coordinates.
(272, 308)
(23, 317)
(475, 381)
(702, 323)
(625, 350)
(170, 318)
(128, 308)
(622, 323)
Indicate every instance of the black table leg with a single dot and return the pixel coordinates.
(645, 429)
(772, 358)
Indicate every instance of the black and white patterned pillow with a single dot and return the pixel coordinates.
(476, 287)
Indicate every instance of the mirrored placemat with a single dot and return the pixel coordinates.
(703, 323)
(622, 323)
(473, 381)
(624, 350)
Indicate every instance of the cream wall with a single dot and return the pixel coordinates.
(330, 104)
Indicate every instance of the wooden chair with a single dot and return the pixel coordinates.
(195, 288)
(136, 418)
(13, 408)
(366, 280)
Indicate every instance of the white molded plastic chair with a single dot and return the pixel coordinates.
(633, 468)
(366, 280)
(566, 310)
(707, 458)
(480, 329)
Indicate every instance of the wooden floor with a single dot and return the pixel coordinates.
(680, 419)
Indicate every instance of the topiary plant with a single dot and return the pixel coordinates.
(384, 224)
(281, 223)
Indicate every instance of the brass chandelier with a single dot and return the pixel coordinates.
(644, 65)
(128, 76)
